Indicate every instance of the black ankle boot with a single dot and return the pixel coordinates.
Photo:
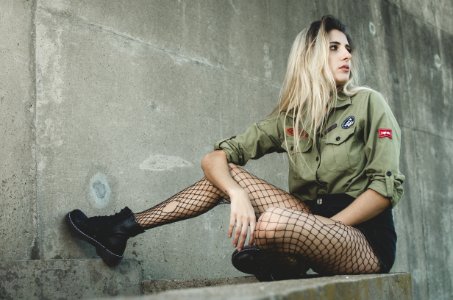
(269, 266)
(109, 234)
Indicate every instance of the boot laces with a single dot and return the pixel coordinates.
(119, 215)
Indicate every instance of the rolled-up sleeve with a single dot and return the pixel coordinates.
(382, 149)
(258, 139)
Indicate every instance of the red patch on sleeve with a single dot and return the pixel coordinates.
(303, 134)
(385, 133)
(290, 131)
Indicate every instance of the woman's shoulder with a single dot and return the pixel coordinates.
(366, 93)
(369, 96)
(372, 101)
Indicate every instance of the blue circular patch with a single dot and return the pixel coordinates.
(348, 122)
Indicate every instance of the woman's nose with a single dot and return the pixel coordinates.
(346, 55)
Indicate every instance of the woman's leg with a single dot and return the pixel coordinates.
(109, 234)
(188, 203)
(330, 247)
(203, 196)
(264, 195)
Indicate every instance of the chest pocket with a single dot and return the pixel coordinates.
(337, 154)
(300, 160)
(305, 146)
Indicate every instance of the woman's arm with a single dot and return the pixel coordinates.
(215, 167)
(368, 205)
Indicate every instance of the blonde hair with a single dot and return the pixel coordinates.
(309, 91)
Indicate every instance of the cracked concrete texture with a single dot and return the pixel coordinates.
(67, 279)
(230, 33)
(376, 286)
(113, 103)
(127, 91)
(17, 107)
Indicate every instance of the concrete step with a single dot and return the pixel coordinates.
(68, 279)
(158, 286)
(363, 287)
(92, 279)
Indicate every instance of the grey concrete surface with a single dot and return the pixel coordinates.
(111, 103)
(162, 285)
(68, 279)
(17, 104)
(387, 286)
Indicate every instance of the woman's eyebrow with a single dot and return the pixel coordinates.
(338, 43)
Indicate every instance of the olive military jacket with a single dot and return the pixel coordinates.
(358, 149)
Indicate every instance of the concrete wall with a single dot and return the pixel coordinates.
(113, 103)
(17, 105)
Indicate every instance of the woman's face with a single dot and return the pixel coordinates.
(339, 56)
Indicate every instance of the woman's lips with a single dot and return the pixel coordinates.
(344, 68)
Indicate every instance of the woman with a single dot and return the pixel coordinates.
(343, 144)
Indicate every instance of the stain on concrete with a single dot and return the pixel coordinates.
(372, 28)
(41, 165)
(50, 88)
(99, 190)
(34, 252)
(267, 62)
(159, 162)
(437, 61)
(50, 134)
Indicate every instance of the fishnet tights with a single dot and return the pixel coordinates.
(285, 224)
(188, 203)
(330, 247)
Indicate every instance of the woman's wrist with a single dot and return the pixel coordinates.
(235, 191)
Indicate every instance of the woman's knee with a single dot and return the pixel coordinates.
(270, 222)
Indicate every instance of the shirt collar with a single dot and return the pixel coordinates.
(342, 100)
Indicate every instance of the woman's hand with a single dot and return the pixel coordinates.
(215, 167)
(241, 218)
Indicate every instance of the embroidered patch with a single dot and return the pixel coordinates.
(385, 133)
(348, 122)
(303, 134)
(290, 131)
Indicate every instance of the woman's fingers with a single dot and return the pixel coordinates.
(252, 231)
(231, 227)
(241, 231)
(242, 216)
(243, 235)
(237, 233)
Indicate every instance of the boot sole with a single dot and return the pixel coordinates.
(252, 261)
(109, 258)
(264, 266)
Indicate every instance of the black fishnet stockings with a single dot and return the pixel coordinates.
(264, 195)
(330, 247)
(188, 203)
(285, 225)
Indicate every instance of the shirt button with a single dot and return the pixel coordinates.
(317, 158)
(319, 201)
(338, 138)
(388, 173)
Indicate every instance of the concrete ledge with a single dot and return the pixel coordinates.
(380, 286)
(158, 286)
(68, 279)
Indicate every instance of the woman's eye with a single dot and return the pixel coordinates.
(349, 49)
(333, 47)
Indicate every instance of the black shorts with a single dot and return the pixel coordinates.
(379, 231)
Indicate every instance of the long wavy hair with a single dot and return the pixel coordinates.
(309, 91)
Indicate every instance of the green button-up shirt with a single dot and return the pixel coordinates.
(358, 150)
